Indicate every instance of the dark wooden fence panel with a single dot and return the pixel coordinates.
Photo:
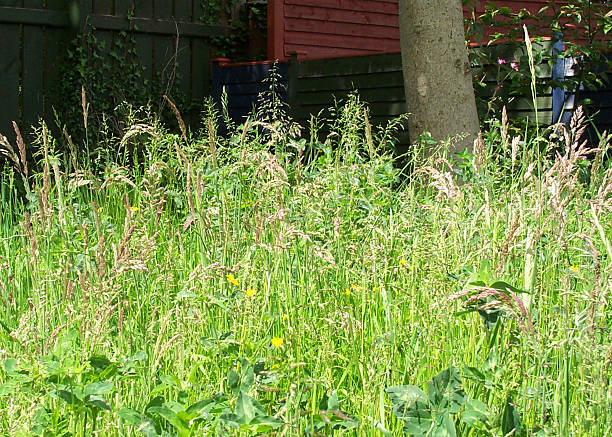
(10, 74)
(316, 85)
(600, 106)
(170, 43)
(243, 83)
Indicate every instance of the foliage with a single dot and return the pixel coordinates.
(248, 22)
(574, 30)
(226, 286)
(109, 73)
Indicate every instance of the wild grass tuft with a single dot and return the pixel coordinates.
(256, 282)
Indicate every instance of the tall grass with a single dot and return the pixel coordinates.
(259, 282)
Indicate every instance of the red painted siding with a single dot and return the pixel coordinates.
(323, 28)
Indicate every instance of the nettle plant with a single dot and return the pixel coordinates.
(446, 404)
(575, 31)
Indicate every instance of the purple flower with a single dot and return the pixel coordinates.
(514, 66)
(501, 61)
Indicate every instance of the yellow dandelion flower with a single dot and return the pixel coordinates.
(275, 366)
(376, 289)
(356, 287)
(277, 341)
(403, 262)
(284, 317)
(99, 210)
(232, 279)
(251, 292)
(347, 291)
(574, 268)
(134, 208)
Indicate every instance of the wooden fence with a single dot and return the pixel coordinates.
(243, 82)
(35, 34)
(315, 85)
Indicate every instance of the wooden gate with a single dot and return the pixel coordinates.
(34, 35)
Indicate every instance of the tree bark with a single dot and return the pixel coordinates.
(437, 73)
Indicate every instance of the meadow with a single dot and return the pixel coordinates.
(257, 280)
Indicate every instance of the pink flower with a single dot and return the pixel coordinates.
(514, 66)
(501, 61)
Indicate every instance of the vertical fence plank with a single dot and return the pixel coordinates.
(122, 8)
(200, 71)
(164, 60)
(58, 5)
(85, 8)
(143, 8)
(57, 40)
(144, 51)
(103, 7)
(34, 4)
(33, 81)
(163, 47)
(162, 8)
(183, 67)
(198, 11)
(9, 71)
(182, 9)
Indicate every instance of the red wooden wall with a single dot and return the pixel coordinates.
(328, 28)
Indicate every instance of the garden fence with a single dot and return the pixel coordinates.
(34, 35)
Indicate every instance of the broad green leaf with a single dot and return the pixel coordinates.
(475, 411)
(200, 406)
(147, 427)
(70, 397)
(247, 408)
(444, 426)
(7, 388)
(10, 366)
(247, 377)
(266, 421)
(330, 403)
(417, 423)
(174, 406)
(446, 393)
(172, 418)
(129, 416)
(157, 401)
(171, 380)
(233, 381)
(99, 362)
(405, 397)
(98, 388)
(97, 401)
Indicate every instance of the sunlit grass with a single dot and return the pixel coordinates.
(256, 282)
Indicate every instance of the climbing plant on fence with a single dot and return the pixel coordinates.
(248, 23)
(577, 30)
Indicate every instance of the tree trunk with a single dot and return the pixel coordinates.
(437, 74)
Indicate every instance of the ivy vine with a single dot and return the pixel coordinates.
(110, 74)
(248, 22)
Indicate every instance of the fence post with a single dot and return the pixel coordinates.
(294, 69)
